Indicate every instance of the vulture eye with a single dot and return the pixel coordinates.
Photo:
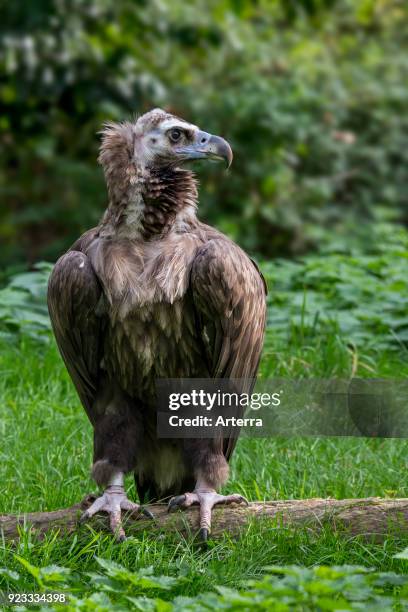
(175, 134)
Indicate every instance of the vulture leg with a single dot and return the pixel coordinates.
(113, 501)
(211, 471)
(207, 498)
(117, 438)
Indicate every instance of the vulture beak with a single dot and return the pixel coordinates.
(207, 146)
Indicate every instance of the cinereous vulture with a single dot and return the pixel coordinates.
(153, 293)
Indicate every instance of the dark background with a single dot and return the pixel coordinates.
(311, 95)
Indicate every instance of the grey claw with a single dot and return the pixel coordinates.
(121, 539)
(176, 502)
(204, 534)
(244, 500)
(84, 517)
(147, 513)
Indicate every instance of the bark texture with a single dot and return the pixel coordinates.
(372, 517)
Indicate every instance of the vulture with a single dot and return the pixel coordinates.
(153, 293)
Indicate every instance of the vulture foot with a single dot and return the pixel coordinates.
(206, 500)
(113, 501)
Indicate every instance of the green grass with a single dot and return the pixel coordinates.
(46, 455)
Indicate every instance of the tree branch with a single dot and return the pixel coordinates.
(372, 517)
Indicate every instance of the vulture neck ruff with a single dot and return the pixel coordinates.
(156, 202)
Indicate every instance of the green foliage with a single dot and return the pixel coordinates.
(23, 305)
(360, 296)
(310, 94)
(280, 589)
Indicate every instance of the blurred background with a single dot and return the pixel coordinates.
(312, 96)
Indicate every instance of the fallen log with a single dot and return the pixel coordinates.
(372, 517)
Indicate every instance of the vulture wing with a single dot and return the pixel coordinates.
(73, 297)
(229, 296)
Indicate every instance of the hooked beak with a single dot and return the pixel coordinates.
(207, 146)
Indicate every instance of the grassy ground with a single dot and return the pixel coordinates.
(46, 454)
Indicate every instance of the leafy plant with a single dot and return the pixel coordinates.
(23, 307)
(360, 296)
(281, 588)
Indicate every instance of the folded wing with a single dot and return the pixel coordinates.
(74, 296)
(229, 297)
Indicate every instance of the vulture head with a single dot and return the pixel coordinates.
(157, 140)
(142, 162)
(161, 139)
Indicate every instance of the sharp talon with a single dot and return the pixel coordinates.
(204, 534)
(243, 500)
(147, 513)
(176, 502)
